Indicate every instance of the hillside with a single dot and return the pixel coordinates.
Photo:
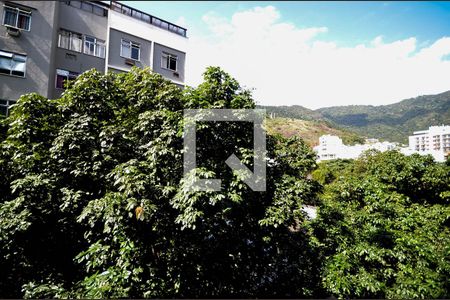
(392, 122)
(310, 131)
(294, 112)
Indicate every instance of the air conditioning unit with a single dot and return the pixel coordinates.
(13, 31)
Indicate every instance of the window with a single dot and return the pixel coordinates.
(74, 41)
(12, 64)
(62, 76)
(137, 14)
(146, 18)
(126, 10)
(160, 23)
(70, 40)
(89, 45)
(98, 11)
(93, 46)
(76, 4)
(100, 49)
(130, 49)
(5, 106)
(17, 18)
(89, 7)
(116, 6)
(169, 61)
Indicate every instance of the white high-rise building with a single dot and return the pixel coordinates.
(434, 141)
(332, 147)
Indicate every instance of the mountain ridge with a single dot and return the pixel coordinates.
(393, 122)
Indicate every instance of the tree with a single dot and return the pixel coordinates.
(384, 229)
(95, 204)
(329, 170)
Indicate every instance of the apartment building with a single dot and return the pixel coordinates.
(332, 147)
(434, 141)
(45, 43)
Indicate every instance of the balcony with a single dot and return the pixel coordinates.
(147, 18)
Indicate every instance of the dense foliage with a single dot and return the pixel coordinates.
(383, 227)
(93, 204)
(393, 122)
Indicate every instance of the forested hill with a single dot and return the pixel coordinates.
(309, 130)
(392, 122)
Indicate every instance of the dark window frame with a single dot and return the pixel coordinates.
(6, 106)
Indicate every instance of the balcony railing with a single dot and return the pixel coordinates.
(147, 18)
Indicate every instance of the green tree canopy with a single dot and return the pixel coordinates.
(93, 202)
(383, 228)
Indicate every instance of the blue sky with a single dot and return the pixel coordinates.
(350, 22)
(395, 31)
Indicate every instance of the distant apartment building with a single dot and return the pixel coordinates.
(434, 141)
(45, 43)
(435, 138)
(332, 147)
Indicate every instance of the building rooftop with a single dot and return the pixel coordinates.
(433, 129)
(147, 18)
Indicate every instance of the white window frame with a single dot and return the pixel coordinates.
(97, 43)
(18, 12)
(131, 49)
(65, 73)
(71, 38)
(85, 49)
(168, 56)
(11, 56)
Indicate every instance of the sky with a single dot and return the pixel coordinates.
(318, 54)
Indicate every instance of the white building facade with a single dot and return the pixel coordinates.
(434, 141)
(332, 147)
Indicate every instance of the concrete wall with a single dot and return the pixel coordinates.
(116, 61)
(37, 44)
(74, 62)
(147, 31)
(157, 57)
(83, 22)
(162, 39)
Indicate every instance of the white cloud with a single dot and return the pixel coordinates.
(289, 65)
